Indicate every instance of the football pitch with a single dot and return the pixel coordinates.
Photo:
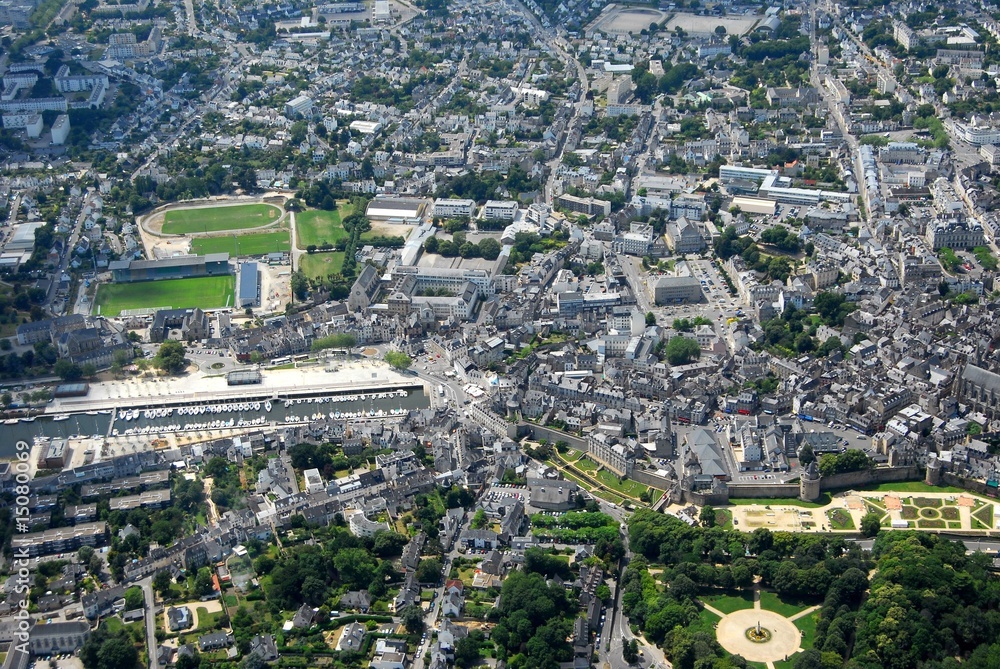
(316, 226)
(208, 292)
(243, 245)
(213, 219)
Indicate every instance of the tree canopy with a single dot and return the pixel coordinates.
(398, 359)
(170, 357)
(682, 350)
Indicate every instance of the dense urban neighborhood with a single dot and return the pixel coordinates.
(527, 334)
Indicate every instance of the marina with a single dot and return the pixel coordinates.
(196, 405)
(153, 422)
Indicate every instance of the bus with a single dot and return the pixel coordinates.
(284, 360)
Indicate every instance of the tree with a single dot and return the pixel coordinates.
(397, 360)
(650, 318)
(630, 652)
(162, 582)
(707, 516)
(489, 249)
(300, 286)
(67, 371)
(479, 520)
(682, 350)
(429, 571)
(871, 524)
(203, 585)
(134, 598)
(84, 554)
(413, 620)
(104, 649)
(806, 454)
(467, 650)
(170, 357)
(95, 565)
(431, 245)
(6, 399)
(192, 661)
(356, 567)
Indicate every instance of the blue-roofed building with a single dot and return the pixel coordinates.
(248, 286)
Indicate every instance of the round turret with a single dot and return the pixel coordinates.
(809, 483)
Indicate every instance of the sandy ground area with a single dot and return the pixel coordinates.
(783, 643)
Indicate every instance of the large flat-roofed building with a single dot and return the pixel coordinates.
(500, 210)
(298, 106)
(974, 133)
(61, 539)
(60, 129)
(248, 286)
(177, 267)
(396, 209)
(440, 278)
(731, 173)
(754, 205)
(23, 238)
(584, 205)
(676, 289)
(444, 208)
(151, 499)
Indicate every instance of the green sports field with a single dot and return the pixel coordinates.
(207, 292)
(243, 245)
(317, 265)
(213, 219)
(316, 226)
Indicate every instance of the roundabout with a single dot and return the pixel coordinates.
(758, 635)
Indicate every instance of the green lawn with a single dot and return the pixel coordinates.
(243, 245)
(212, 219)
(771, 602)
(626, 486)
(983, 516)
(317, 226)
(586, 465)
(911, 486)
(206, 620)
(318, 265)
(729, 603)
(207, 292)
(840, 519)
(706, 622)
(807, 625)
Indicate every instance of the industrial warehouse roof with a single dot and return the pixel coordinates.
(386, 207)
(754, 205)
